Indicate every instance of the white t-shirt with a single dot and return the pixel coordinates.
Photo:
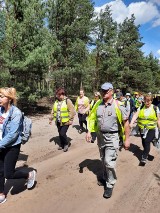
(2, 118)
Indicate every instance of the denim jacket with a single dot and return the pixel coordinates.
(12, 127)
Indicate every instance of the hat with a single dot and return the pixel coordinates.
(107, 86)
(128, 94)
(118, 95)
(135, 93)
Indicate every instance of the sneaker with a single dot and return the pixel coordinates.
(108, 192)
(80, 131)
(143, 162)
(2, 199)
(65, 148)
(31, 179)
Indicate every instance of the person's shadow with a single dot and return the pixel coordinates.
(22, 157)
(136, 151)
(57, 141)
(16, 186)
(94, 166)
(77, 127)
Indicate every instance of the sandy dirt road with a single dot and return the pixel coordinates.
(61, 188)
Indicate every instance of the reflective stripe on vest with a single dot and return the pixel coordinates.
(119, 116)
(149, 122)
(92, 120)
(92, 104)
(64, 114)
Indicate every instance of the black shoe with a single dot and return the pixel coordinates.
(150, 157)
(92, 141)
(143, 162)
(108, 192)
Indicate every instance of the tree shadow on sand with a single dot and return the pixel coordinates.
(16, 186)
(94, 166)
(57, 141)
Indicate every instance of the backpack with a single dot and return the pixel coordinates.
(26, 129)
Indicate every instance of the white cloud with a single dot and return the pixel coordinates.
(143, 11)
(158, 51)
(156, 23)
(155, 1)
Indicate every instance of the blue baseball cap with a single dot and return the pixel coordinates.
(107, 86)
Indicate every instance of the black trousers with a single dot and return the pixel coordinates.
(62, 130)
(94, 136)
(146, 142)
(8, 160)
(82, 120)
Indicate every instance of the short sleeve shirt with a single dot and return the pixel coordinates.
(107, 120)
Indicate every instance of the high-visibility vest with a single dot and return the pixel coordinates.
(86, 102)
(119, 116)
(92, 104)
(64, 114)
(148, 122)
(92, 118)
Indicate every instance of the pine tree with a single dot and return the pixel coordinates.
(105, 34)
(69, 22)
(129, 50)
(27, 45)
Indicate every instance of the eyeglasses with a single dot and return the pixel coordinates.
(105, 91)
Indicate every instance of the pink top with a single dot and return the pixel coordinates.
(81, 106)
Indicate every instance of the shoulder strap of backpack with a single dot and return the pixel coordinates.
(155, 109)
(142, 106)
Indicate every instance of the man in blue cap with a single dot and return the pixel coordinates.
(109, 119)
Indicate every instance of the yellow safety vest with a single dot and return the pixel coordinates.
(148, 122)
(64, 114)
(92, 104)
(92, 118)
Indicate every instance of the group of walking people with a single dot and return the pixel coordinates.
(109, 117)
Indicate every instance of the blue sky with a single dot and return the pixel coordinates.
(147, 13)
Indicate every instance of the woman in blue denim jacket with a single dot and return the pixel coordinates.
(11, 124)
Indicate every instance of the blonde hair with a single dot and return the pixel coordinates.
(9, 92)
(97, 94)
(148, 96)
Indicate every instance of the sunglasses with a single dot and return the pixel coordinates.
(105, 91)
